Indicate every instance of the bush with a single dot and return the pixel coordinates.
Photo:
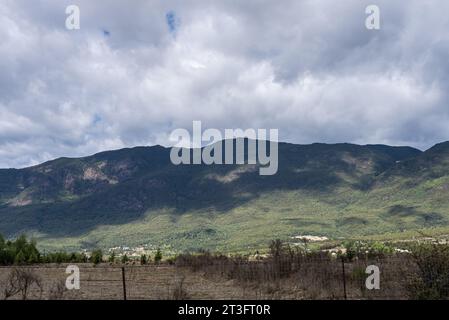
(20, 282)
(158, 256)
(178, 292)
(111, 258)
(125, 258)
(96, 257)
(431, 279)
(361, 249)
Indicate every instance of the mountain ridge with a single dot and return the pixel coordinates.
(320, 188)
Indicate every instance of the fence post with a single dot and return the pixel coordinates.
(124, 283)
(344, 277)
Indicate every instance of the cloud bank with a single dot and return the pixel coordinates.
(136, 71)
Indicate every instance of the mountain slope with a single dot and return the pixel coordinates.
(134, 196)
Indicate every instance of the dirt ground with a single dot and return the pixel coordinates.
(321, 278)
(162, 282)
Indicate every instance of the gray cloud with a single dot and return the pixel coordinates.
(309, 68)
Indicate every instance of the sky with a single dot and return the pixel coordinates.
(137, 70)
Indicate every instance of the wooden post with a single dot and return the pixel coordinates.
(344, 277)
(124, 283)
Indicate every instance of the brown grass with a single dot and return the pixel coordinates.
(284, 274)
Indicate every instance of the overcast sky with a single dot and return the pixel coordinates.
(136, 70)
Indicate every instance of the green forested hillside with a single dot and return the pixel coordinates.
(136, 196)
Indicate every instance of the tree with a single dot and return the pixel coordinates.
(112, 257)
(158, 256)
(125, 258)
(276, 247)
(33, 255)
(33, 258)
(21, 243)
(20, 258)
(20, 281)
(143, 259)
(82, 257)
(96, 257)
(2, 242)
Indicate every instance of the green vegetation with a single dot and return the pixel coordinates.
(284, 271)
(136, 196)
(366, 249)
(143, 259)
(111, 257)
(158, 256)
(431, 280)
(422, 273)
(19, 251)
(24, 252)
(125, 259)
(96, 256)
(64, 257)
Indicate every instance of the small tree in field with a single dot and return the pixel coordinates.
(97, 257)
(143, 259)
(20, 258)
(20, 282)
(125, 258)
(158, 256)
(112, 257)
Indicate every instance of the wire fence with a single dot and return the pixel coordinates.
(317, 278)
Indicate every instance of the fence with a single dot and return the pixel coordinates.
(317, 278)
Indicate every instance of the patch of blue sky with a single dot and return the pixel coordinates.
(172, 22)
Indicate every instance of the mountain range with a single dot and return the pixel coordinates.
(137, 196)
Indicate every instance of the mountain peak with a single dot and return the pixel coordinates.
(439, 147)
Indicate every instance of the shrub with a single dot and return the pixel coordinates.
(111, 258)
(96, 257)
(125, 258)
(361, 249)
(158, 256)
(431, 279)
(21, 281)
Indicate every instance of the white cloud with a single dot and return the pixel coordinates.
(309, 68)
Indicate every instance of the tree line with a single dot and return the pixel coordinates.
(22, 251)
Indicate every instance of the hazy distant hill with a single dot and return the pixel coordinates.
(134, 196)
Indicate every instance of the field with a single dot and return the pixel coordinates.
(142, 282)
(416, 269)
(318, 278)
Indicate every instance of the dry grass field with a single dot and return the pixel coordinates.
(255, 281)
(284, 273)
(142, 282)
